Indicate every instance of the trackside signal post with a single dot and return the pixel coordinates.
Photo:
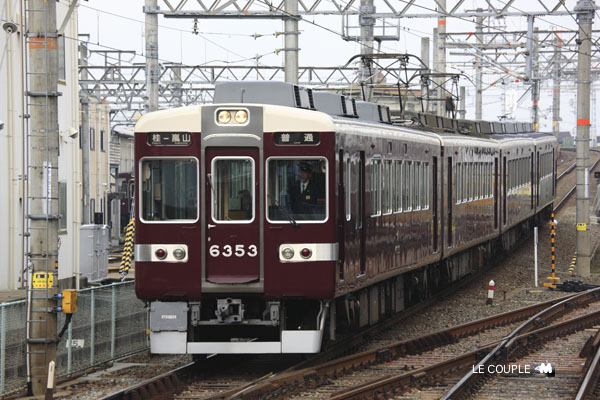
(553, 279)
(585, 17)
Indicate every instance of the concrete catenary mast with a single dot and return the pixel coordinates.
(152, 67)
(42, 174)
(585, 18)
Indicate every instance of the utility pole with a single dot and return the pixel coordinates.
(367, 33)
(85, 137)
(463, 103)
(177, 86)
(425, 59)
(436, 90)
(152, 67)
(556, 86)
(534, 77)
(585, 17)
(441, 58)
(479, 74)
(42, 173)
(291, 41)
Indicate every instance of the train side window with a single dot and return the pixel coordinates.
(169, 189)
(415, 185)
(386, 188)
(397, 186)
(465, 186)
(457, 181)
(425, 186)
(489, 180)
(480, 180)
(361, 190)
(406, 187)
(375, 176)
(297, 190)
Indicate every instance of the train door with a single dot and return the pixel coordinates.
(232, 215)
(342, 196)
(360, 218)
(449, 203)
(434, 204)
(496, 191)
(504, 189)
(533, 185)
(537, 180)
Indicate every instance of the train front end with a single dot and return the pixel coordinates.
(235, 235)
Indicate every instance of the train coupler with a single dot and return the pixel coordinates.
(230, 310)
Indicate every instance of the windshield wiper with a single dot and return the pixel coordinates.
(289, 217)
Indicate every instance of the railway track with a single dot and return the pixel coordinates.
(421, 361)
(198, 384)
(570, 192)
(527, 342)
(294, 381)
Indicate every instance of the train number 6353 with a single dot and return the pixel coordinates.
(237, 250)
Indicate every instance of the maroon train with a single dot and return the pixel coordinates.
(279, 216)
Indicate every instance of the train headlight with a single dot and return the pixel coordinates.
(179, 253)
(161, 254)
(241, 117)
(287, 253)
(224, 117)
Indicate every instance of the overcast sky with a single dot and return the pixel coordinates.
(114, 24)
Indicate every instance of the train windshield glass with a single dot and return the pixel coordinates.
(169, 190)
(233, 189)
(296, 190)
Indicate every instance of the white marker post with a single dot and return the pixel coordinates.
(490, 297)
(535, 255)
(50, 385)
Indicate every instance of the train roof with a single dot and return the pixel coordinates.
(276, 118)
(294, 108)
(350, 126)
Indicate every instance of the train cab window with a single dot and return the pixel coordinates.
(169, 190)
(232, 183)
(297, 190)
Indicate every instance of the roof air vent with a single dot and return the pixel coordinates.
(263, 92)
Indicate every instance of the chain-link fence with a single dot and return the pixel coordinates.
(13, 317)
(110, 322)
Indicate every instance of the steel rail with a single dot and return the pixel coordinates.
(562, 201)
(591, 378)
(566, 171)
(470, 379)
(161, 385)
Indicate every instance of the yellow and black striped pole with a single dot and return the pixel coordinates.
(553, 279)
(573, 264)
(128, 249)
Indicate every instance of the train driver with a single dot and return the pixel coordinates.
(305, 193)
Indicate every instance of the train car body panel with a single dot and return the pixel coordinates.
(389, 229)
(470, 199)
(516, 155)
